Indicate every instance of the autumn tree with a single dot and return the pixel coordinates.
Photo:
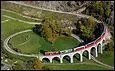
(38, 64)
(50, 29)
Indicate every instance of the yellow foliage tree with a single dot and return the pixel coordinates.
(38, 64)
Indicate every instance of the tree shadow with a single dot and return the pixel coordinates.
(37, 29)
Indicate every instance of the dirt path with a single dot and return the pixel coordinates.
(5, 21)
(21, 20)
(101, 62)
(21, 14)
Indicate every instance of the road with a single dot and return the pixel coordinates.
(77, 37)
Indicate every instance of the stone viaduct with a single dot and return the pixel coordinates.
(95, 46)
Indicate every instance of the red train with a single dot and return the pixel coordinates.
(51, 53)
(78, 48)
(90, 44)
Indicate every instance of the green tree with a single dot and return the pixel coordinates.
(86, 31)
(37, 29)
(110, 45)
(88, 27)
(99, 7)
(107, 11)
(91, 22)
(101, 11)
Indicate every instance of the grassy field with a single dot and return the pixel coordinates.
(82, 66)
(12, 26)
(35, 43)
(107, 57)
(63, 43)
(4, 18)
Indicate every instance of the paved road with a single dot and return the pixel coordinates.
(77, 37)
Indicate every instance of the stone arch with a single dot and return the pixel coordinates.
(56, 60)
(93, 51)
(46, 60)
(85, 54)
(66, 59)
(99, 48)
(76, 57)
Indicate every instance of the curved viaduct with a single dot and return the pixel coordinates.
(96, 45)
